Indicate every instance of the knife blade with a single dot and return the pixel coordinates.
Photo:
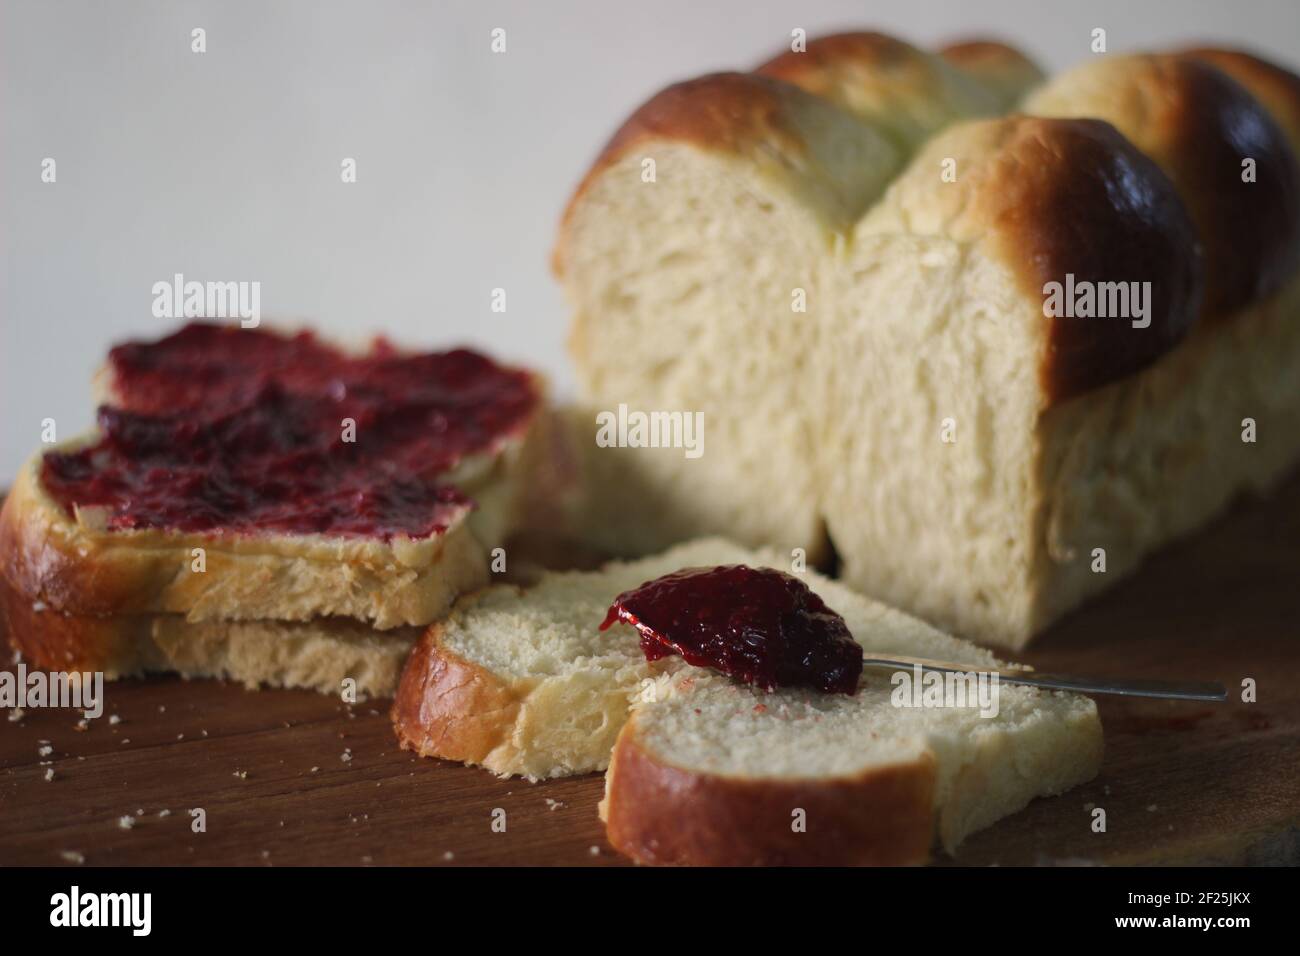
(1121, 686)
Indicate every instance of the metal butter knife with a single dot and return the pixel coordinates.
(1168, 689)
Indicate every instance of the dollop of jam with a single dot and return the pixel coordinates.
(759, 625)
(241, 430)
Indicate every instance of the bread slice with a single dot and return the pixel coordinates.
(73, 564)
(268, 508)
(522, 681)
(971, 458)
(716, 773)
(316, 655)
(243, 523)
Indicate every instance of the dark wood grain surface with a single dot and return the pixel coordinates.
(1181, 782)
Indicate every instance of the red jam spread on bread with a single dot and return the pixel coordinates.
(240, 430)
(759, 625)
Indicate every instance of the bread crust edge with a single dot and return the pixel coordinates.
(448, 707)
(661, 814)
(66, 642)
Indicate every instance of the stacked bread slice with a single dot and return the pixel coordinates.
(266, 508)
(707, 770)
(851, 264)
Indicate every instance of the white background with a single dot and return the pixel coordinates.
(225, 165)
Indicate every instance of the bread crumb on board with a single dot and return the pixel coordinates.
(72, 856)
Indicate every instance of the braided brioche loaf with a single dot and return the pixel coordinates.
(843, 261)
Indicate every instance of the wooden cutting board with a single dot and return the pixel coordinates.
(291, 777)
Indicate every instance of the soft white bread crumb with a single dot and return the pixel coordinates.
(984, 768)
(523, 682)
(317, 654)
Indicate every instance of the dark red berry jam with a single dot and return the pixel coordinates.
(240, 430)
(760, 625)
(205, 366)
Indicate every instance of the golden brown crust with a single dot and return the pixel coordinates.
(40, 558)
(1105, 214)
(981, 52)
(1276, 88)
(720, 112)
(657, 813)
(55, 641)
(1199, 126)
(1061, 198)
(1250, 231)
(1000, 67)
(829, 63)
(903, 91)
(448, 707)
(1079, 200)
(737, 113)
